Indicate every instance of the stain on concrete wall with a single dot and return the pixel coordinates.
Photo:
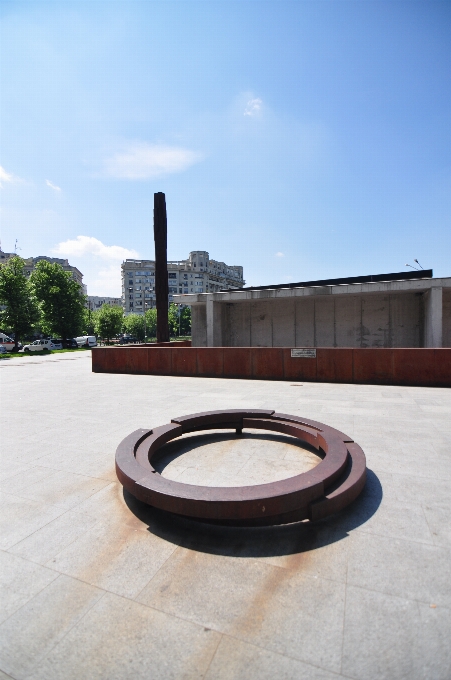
(199, 325)
(327, 321)
(237, 331)
(446, 318)
(284, 324)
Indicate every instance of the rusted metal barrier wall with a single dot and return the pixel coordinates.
(399, 366)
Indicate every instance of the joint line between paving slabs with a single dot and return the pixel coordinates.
(399, 538)
(75, 622)
(134, 599)
(344, 615)
(428, 526)
(221, 636)
(287, 656)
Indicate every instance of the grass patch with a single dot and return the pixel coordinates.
(13, 355)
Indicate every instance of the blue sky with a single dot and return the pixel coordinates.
(302, 140)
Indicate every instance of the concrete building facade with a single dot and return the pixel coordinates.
(197, 274)
(94, 302)
(31, 262)
(401, 313)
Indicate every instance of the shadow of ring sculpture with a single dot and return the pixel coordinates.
(329, 487)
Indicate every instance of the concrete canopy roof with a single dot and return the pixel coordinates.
(401, 286)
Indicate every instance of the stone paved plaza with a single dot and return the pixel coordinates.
(95, 585)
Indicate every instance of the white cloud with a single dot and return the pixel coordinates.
(147, 161)
(8, 177)
(99, 263)
(253, 107)
(88, 245)
(52, 186)
(107, 281)
(279, 254)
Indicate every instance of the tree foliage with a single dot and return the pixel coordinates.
(185, 321)
(61, 300)
(108, 321)
(179, 319)
(134, 325)
(21, 311)
(140, 326)
(151, 323)
(89, 321)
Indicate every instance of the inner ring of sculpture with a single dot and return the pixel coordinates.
(329, 487)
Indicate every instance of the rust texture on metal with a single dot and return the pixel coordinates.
(329, 487)
(160, 232)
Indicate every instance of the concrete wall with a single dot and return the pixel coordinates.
(446, 301)
(390, 320)
(199, 325)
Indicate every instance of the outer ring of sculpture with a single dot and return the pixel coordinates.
(329, 487)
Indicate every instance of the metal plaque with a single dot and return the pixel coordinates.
(304, 353)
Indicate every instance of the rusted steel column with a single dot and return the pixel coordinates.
(160, 234)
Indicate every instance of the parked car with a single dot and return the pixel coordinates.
(86, 341)
(8, 342)
(45, 345)
(127, 339)
(3, 349)
(68, 343)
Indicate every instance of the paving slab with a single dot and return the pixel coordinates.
(94, 584)
(42, 622)
(236, 660)
(118, 638)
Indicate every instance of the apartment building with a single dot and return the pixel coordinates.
(197, 274)
(31, 262)
(94, 302)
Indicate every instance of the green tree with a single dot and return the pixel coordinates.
(151, 323)
(185, 321)
(179, 320)
(109, 321)
(89, 321)
(21, 311)
(134, 325)
(60, 298)
(173, 319)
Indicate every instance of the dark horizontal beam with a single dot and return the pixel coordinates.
(399, 276)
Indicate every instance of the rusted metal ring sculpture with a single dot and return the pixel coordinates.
(329, 487)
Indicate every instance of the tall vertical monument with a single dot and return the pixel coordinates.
(160, 233)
